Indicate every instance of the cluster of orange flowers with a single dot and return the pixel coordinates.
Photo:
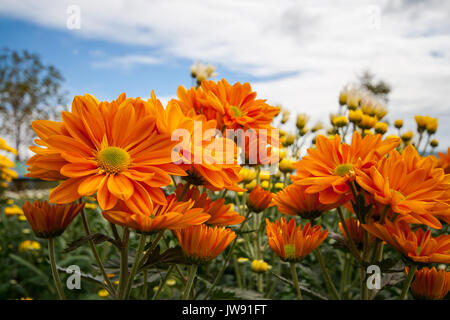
(123, 152)
(398, 190)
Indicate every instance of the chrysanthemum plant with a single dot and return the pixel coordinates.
(189, 192)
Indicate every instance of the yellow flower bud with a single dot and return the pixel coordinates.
(302, 119)
(247, 175)
(264, 175)
(398, 123)
(432, 125)
(171, 282)
(367, 122)
(340, 121)
(407, 136)
(279, 186)
(242, 260)
(288, 140)
(355, 116)
(251, 185)
(103, 293)
(265, 184)
(381, 127)
(318, 126)
(434, 143)
(259, 266)
(286, 165)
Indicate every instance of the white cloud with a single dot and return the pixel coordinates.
(126, 62)
(324, 44)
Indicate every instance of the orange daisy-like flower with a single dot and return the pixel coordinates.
(221, 214)
(113, 149)
(292, 243)
(259, 199)
(201, 243)
(444, 161)
(232, 106)
(430, 284)
(354, 228)
(49, 221)
(209, 160)
(172, 215)
(418, 246)
(409, 184)
(293, 200)
(328, 168)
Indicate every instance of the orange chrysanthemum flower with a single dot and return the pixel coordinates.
(328, 168)
(290, 242)
(259, 199)
(209, 160)
(221, 214)
(354, 228)
(50, 220)
(233, 107)
(444, 161)
(419, 246)
(293, 200)
(201, 243)
(113, 149)
(173, 215)
(409, 184)
(430, 284)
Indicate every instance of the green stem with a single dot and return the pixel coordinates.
(408, 282)
(227, 258)
(333, 292)
(295, 280)
(166, 277)
(56, 279)
(137, 256)
(123, 262)
(151, 248)
(237, 271)
(352, 248)
(189, 285)
(109, 285)
(145, 284)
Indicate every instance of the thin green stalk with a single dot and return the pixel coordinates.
(145, 284)
(150, 249)
(123, 262)
(237, 271)
(109, 285)
(295, 280)
(166, 277)
(56, 279)
(333, 292)
(190, 282)
(134, 268)
(408, 282)
(227, 258)
(353, 248)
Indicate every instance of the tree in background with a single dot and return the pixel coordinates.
(379, 88)
(29, 90)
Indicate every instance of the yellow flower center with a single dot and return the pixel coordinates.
(343, 169)
(289, 251)
(113, 160)
(236, 111)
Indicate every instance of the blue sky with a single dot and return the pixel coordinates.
(299, 54)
